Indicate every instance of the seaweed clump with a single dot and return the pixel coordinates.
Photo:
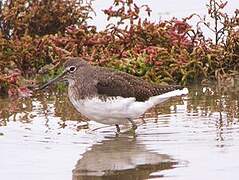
(36, 36)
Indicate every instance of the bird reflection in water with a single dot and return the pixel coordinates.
(120, 158)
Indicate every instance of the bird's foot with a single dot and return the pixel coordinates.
(134, 126)
(117, 128)
(131, 132)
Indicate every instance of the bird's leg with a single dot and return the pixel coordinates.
(117, 128)
(134, 126)
(156, 115)
(142, 118)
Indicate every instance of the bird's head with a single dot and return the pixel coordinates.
(71, 68)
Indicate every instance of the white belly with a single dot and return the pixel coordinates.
(112, 111)
(119, 109)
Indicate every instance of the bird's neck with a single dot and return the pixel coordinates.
(81, 89)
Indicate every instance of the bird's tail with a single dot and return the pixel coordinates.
(165, 96)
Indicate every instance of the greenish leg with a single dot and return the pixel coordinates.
(134, 126)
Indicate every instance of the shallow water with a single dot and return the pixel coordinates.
(190, 137)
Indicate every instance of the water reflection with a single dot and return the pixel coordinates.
(204, 101)
(44, 104)
(120, 158)
(201, 101)
(44, 137)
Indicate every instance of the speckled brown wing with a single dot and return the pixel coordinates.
(115, 83)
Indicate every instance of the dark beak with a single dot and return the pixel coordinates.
(52, 81)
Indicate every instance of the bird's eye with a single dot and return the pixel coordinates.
(72, 68)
